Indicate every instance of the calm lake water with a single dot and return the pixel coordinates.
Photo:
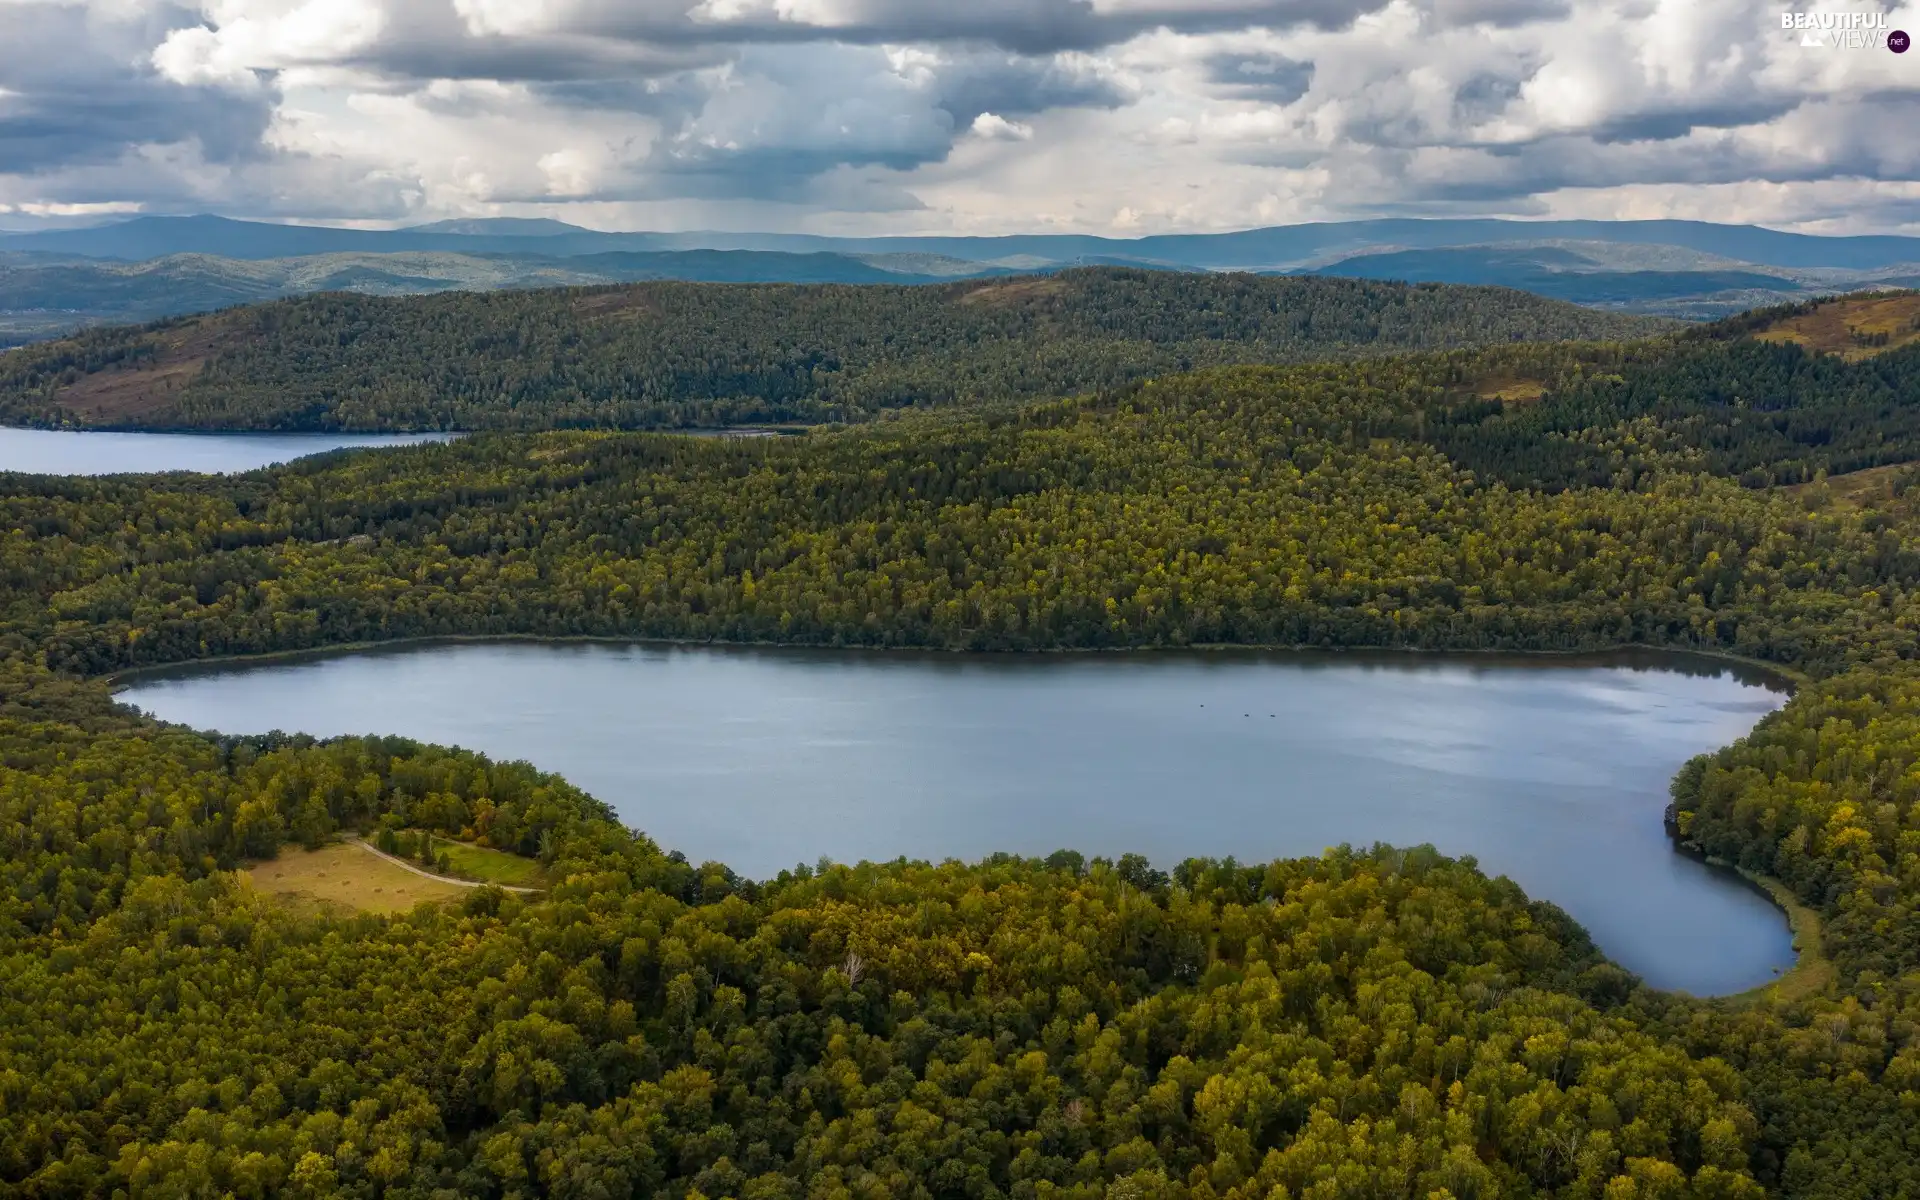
(1551, 771)
(93, 452)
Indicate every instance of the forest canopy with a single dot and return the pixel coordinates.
(672, 354)
(1372, 1023)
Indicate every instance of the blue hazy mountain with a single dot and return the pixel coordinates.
(44, 295)
(1254, 249)
(54, 281)
(1561, 274)
(1743, 243)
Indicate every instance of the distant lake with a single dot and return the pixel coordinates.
(95, 452)
(1551, 771)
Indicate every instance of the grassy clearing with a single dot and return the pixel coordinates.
(1812, 971)
(1015, 292)
(1510, 389)
(1854, 327)
(1854, 490)
(346, 877)
(492, 866)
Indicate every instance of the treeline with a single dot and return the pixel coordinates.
(688, 354)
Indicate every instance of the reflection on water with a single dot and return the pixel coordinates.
(1551, 771)
(93, 452)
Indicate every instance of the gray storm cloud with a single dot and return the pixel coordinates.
(900, 115)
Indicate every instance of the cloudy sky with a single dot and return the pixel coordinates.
(884, 116)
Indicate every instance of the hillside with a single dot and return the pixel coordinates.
(1619, 276)
(1853, 327)
(1781, 408)
(1694, 290)
(45, 296)
(674, 354)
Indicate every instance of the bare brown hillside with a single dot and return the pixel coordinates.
(152, 382)
(1854, 327)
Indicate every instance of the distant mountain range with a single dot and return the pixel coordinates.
(1664, 280)
(45, 295)
(136, 270)
(1250, 250)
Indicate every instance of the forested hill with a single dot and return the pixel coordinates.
(681, 354)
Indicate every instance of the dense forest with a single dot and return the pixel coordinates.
(1372, 1023)
(1766, 413)
(1248, 505)
(690, 354)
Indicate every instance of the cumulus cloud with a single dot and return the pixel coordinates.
(998, 128)
(928, 115)
(77, 85)
(255, 40)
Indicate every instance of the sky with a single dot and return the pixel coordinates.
(1116, 117)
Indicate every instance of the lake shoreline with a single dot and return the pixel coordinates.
(1810, 971)
(67, 453)
(761, 430)
(932, 753)
(1776, 676)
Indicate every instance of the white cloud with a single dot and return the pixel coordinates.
(105, 209)
(249, 36)
(998, 128)
(902, 115)
(197, 57)
(572, 171)
(485, 18)
(826, 14)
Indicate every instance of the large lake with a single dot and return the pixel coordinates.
(1551, 771)
(94, 452)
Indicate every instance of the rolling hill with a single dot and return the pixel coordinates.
(55, 282)
(1853, 327)
(676, 353)
(46, 295)
(1687, 284)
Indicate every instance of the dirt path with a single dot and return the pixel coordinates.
(405, 865)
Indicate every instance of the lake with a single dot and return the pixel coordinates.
(1551, 771)
(97, 452)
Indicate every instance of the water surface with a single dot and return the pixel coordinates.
(97, 452)
(1551, 771)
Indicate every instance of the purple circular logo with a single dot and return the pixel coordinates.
(1898, 41)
